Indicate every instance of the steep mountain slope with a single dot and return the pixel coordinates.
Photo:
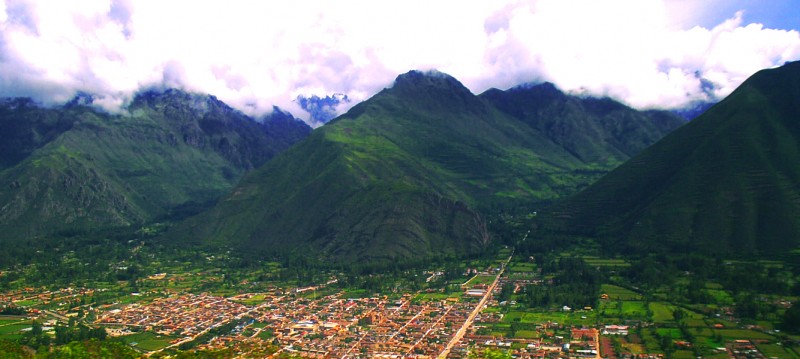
(406, 173)
(73, 169)
(727, 182)
(591, 129)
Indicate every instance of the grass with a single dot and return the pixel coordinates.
(26, 303)
(683, 354)
(436, 296)
(674, 333)
(651, 342)
(14, 328)
(568, 318)
(481, 279)
(526, 334)
(148, 341)
(775, 351)
(633, 309)
(265, 335)
(522, 267)
(662, 312)
(619, 293)
(355, 293)
(729, 334)
(605, 262)
(721, 297)
(254, 300)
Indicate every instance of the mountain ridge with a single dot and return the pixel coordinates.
(82, 169)
(725, 182)
(410, 172)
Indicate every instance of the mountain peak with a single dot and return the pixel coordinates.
(429, 79)
(540, 87)
(200, 104)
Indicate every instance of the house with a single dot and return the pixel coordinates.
(615, 330)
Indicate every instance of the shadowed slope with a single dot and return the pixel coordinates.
(728, 182)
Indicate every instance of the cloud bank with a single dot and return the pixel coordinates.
(256, 54)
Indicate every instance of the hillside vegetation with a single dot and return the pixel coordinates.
(413, 171)
(728, 182)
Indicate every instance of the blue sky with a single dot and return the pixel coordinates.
(776, 14)
(255, 54)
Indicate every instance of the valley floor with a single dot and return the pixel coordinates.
(488, 311)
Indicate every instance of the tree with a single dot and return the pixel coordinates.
(791, 319)
(506, 292)
(678, 314)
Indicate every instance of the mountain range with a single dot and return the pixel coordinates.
(417, 170)
(73, 169)
(728, 182)
(413, 171)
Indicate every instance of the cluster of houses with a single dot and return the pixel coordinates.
(184, 315)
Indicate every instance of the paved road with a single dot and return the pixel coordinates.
(463, 330)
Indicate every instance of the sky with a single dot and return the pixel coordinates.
(256, 54)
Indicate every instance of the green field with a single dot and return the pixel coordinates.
(730, 334)
(26, 303)
(662, 312)
(436, 296)
(674, 333)
(605, 262)
(619, 293)
(12, 330)
(148, 341)
(526, 334)
(481, 279)
(683, 354)
(632, 309)
(568, 318)
(775, 351)
(254, 300)
(522, 267)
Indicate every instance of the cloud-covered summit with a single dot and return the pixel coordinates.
(254, 55)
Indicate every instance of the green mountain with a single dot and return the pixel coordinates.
(414, 170)
(594, 130)
(73, 169)
(728, 182)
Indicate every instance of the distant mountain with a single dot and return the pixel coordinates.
(74, 169)
(322, 109)
(727, 182)
(594, 130)
(412, 171)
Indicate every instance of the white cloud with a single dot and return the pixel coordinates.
(256, 54)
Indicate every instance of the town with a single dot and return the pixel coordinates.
(509, 305)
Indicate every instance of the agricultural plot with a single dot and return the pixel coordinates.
(605, 262)
(148, 341)
(775, 351)
(619, 293)
(683, 354)
(733, 334)
(480, 279)
(12, 329)
(662, 312)
(254, 300)
(634, 310)
(522, 267)
(579, 318)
